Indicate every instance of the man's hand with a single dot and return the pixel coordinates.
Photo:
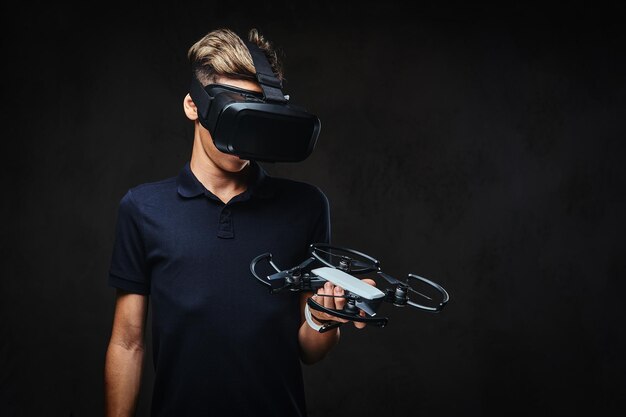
(315, 345)
(335, 303)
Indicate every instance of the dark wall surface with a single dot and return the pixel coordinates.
(482, 148)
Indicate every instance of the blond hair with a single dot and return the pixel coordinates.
(222, 53)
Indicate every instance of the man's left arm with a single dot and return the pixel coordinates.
(315, 345)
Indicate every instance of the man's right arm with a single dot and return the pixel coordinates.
(124, 356)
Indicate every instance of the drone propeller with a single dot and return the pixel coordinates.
(398, 295)
(357, 263)
(282, 278)
(347, 259)
(304, 264)
(390, 279)
(346, 263)
(365, 307)
(405, 285)
(278, 280)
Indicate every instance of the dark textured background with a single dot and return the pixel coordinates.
(480, 147)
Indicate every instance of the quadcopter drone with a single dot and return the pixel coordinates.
(341, 264)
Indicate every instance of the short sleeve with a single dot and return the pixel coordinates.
(128, 270)
(322, 230)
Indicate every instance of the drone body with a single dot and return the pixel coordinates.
(359, 295)
(348, 282)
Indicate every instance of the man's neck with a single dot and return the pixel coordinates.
(222, 183)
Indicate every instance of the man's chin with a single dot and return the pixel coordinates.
(235, 164)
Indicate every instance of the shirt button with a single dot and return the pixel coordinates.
(225, 218)
(225, 225)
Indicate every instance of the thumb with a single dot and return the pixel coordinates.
(369, 281)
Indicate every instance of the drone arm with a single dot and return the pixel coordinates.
(315, 282)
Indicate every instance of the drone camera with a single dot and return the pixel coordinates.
(350, 307)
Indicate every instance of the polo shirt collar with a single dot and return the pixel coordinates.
(190, 186)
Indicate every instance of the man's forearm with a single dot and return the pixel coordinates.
(315, 345)
(122, 379)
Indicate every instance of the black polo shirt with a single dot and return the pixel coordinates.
(222, 345)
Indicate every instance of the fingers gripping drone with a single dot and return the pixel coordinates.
(341, 264)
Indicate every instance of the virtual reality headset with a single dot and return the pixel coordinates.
(254, 125)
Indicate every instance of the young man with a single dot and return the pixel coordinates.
(222, 344)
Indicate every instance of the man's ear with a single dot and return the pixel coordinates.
(190, 108)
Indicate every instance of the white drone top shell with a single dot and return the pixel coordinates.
(348, 282)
